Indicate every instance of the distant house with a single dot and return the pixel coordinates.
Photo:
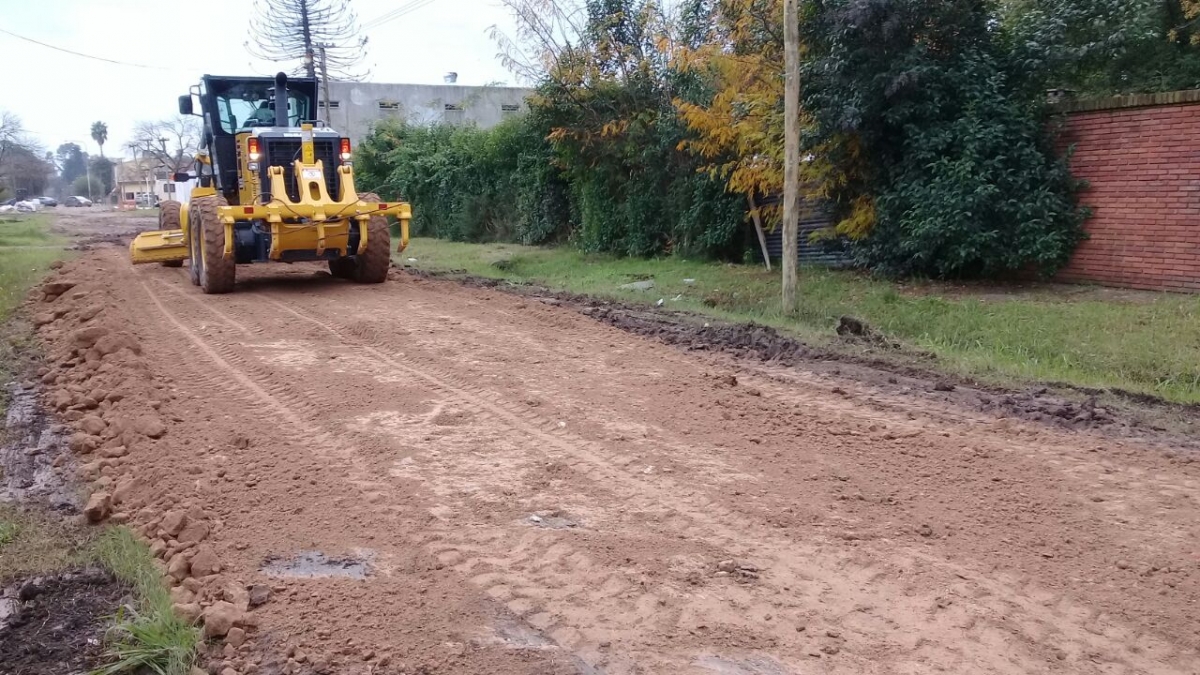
(134, 177)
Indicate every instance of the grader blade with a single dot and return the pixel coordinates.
(158, 246)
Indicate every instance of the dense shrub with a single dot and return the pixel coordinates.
(469, 184)
(918, 96)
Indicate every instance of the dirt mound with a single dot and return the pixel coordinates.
(55, 625)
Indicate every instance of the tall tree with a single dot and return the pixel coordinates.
(284, 31)
(736, 49)
(100, 135)
(21, 165)
(72, 162)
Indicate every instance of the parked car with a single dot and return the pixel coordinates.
(47, 201)
(76, 200)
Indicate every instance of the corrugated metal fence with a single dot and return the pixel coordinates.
(813, 216)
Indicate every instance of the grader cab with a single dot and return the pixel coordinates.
(271, 184)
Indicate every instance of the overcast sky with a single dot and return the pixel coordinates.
(59, 95)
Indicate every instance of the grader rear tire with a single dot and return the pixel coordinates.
(371, 266)
(216, 272)
(168, 219)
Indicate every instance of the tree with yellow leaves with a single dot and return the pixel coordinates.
(736, 48)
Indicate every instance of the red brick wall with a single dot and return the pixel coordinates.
(1142, 164)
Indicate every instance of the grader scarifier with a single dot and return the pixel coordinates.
(271, 184)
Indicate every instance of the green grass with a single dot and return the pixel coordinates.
(27, 247)
(1141, 342)
(151, 639)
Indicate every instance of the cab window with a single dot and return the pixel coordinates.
(248, 106)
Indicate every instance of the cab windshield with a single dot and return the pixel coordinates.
(245, 106)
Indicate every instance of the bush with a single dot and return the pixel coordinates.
(509, 183)
(80, 187)
(468, 184)
(915, 96)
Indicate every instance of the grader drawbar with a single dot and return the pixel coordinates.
(271, 183)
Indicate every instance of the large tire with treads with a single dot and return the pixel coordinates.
(371, 266)
(168, 219)
(216, 272)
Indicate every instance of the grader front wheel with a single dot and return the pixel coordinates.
(371, 266)
(208, 232)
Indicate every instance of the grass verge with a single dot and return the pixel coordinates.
(152, 639)
(27, 247)
(1011, 335)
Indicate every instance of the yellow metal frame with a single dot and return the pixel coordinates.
(329, 220)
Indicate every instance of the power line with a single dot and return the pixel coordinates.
(407, 8)
(82, 54)
(387, 16)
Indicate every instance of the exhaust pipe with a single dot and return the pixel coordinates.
(281, 100)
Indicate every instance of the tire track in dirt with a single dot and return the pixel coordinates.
(1130, 500)
(246, 376)
(553, 599)
(707, 518)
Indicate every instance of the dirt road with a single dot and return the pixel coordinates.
(499, 485)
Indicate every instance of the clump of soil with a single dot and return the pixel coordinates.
(54, 625)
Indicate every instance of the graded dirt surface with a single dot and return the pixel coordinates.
(434, 478)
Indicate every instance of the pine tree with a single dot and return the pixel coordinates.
(290, 30)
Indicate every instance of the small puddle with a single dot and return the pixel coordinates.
(28, 449)
(516, 634)
(314, 565)
(752, 665)
(554, 520)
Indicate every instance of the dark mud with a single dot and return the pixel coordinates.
(34, 455)
(55, 625)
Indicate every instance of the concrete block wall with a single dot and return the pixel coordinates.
(355, 107)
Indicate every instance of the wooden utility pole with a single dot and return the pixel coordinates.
(791, 152)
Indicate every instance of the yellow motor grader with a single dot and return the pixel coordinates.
(271, 183)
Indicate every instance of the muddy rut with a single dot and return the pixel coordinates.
(432, 478)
